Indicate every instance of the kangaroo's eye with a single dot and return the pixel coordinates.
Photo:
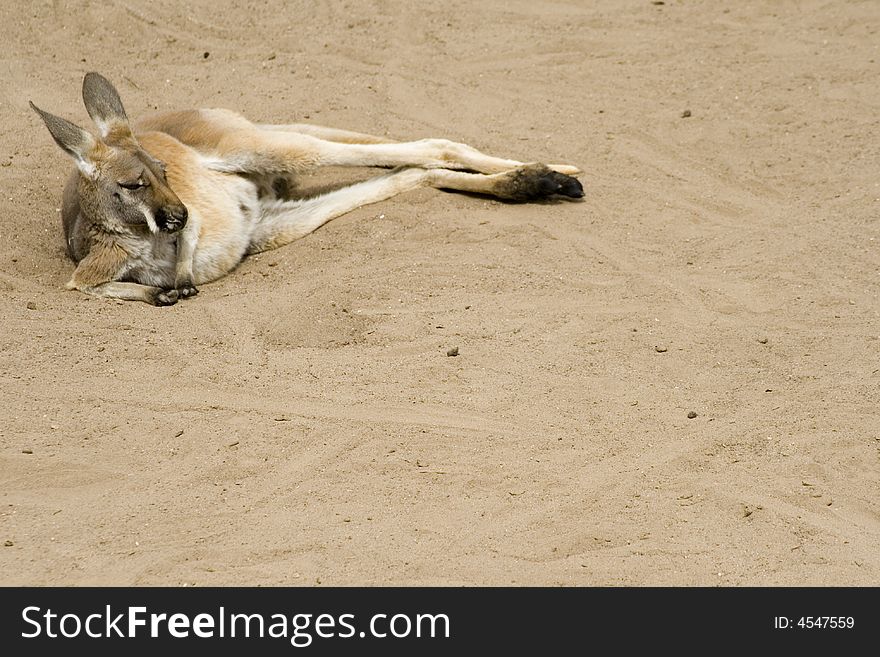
(137, 184)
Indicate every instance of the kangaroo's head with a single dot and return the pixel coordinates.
(121, 181)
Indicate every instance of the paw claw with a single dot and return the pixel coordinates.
(568, 186)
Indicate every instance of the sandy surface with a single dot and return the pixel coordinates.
(299, 422)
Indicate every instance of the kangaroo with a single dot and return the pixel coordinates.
(152, 211)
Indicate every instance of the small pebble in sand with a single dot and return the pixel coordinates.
(692, 415)
(660, 348)
(27, 450)
(8, 544)
(452, 352)
(763, 340)
(686, 114)
(31, 305)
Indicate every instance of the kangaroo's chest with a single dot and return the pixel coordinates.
(152, 261)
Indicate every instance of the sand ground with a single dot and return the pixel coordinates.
(299, 422)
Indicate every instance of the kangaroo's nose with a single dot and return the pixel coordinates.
(172, 218)
(179, 213)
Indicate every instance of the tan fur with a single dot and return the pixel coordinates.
(102, 264)
(153, 212)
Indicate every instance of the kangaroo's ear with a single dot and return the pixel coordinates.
(104, 105)
(73, 139)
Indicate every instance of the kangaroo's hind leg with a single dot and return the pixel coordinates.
(282, 222)
(327, 134)
(261, 151)
(445, 153)
(426, 153)
(287, 186)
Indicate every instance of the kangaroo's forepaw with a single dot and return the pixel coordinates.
(165, 298)
(533, 182)
(187, 290)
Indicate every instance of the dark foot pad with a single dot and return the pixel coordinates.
(537, 181)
